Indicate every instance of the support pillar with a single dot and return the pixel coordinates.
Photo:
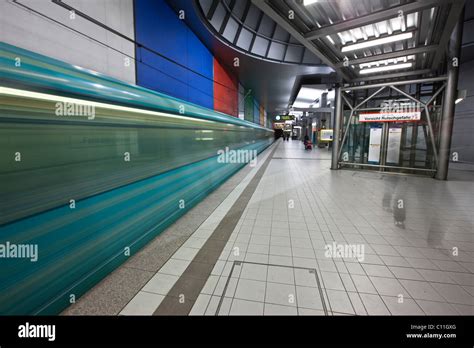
(336, 141)
(450, 94)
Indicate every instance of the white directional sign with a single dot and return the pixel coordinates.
(390, 116)
(375, 142)
(393, 148)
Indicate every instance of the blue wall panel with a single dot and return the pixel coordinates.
(158, 29)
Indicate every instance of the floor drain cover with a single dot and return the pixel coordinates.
(307, 277)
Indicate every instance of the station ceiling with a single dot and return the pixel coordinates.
(272, 83)
(368, 40)
(282, 44)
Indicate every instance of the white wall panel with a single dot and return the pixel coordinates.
(34, 32)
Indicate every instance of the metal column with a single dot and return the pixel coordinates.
(446, 129)
(336, 139)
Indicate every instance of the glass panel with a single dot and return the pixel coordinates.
(421, 147)
(406, 144)
(356, 147)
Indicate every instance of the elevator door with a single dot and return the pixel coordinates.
(392, 144)
(403, 144)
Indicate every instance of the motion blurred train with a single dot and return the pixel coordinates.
(91, 169)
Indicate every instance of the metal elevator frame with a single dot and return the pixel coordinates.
(340, 136)
(325, 28)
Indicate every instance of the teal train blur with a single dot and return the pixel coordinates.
(91, 167)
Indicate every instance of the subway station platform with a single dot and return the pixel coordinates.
(263, 244)
(250, 158)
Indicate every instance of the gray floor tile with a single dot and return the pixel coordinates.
(453, 293)
(394, 261)
(355, 268)
(280, 250)
(301, 243)
(307, 311)
(309, 298)
(377, 271)
(407, 307)
(388, 286)
(372, 260)
(405, 273)
(363, 284)
(331, 280)
(281, 294)
(304, 277)
(449, 266)
(357, 303)
(280, 260)
(348, 282)
(462, 278)
(243, 307)
(185, 253)
(303, 252)
(174, 267)
(144, 303)
(257, 258)
(327, 265)
(254, 272)
(200, 305)
(436, 276)
(250, 290)
(257, 239)
(421, 290)
(305, 263)
(212, 305)
(280, 275)
(421, 263)
(436, 308)
(374, 304)
(273, 309)
(258, 248)
(221, 287)
(280, 241)
(210, 285)
(340, 302)
(160, 283)
(463, 309)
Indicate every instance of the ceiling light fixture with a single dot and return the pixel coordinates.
(386, 68)
(309, 2)
(377, 42)
(403, 59)
(462, 94)
(301, 105)
(403, 25)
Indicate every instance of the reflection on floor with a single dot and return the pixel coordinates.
(312, 241)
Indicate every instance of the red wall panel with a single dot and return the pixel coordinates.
(226, 98)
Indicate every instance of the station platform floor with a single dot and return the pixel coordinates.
(261, 245)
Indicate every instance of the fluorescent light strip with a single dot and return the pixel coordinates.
(301, 105)
(57, 98)
(397, 60)
(377, 42)
(309, 2)
(386, 68)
